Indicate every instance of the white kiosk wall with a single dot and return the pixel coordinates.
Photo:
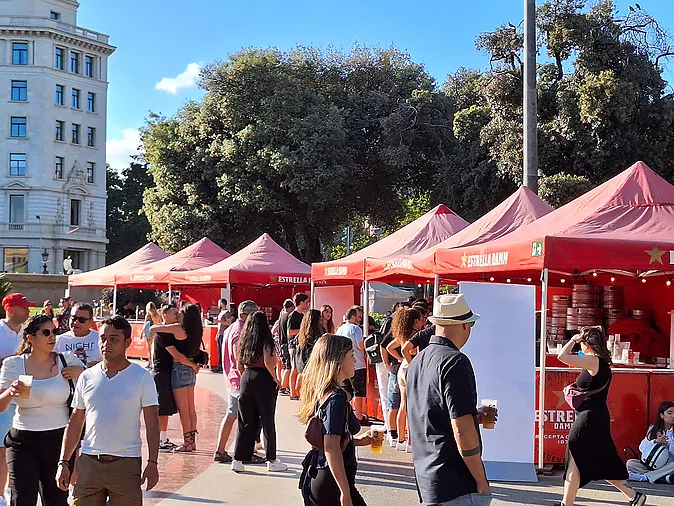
(502, 350)
(339, 297)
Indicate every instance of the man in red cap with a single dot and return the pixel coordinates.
(11, 334)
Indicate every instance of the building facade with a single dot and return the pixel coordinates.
(53, 117)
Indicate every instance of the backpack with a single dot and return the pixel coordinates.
(373, 347)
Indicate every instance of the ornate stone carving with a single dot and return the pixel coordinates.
(90, 215)
(59, 211)
(76, 178)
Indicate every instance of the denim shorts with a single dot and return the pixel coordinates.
(393, 388)
(6, 418)
(182, 376)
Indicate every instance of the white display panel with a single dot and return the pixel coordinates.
(339, 297)
(502, 350)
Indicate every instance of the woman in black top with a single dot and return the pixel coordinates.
(329, 476)
(185, 346)
(310, 330)
(591, 453)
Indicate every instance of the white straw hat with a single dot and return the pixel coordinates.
(452, 310)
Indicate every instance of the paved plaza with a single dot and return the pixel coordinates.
(384, 479)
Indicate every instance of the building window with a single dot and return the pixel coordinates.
(89, 66)
(16, 260)
(76, 99)
(91, 102)
(17, 208)
(58, 167)
(76, 134)
(91, 137)
(60, 127)
(59, 58)
(19, 53)
(19, 91)
(75, 256)
(60, 90)
(91, 172)
(17, 164)
(75, 206)
(74, 62)
(18, 127)
(54, 15)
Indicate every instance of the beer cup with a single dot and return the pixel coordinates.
(27, 381)
(489, 407)
(377, 438)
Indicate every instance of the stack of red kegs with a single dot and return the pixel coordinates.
(613, 302)
(557, 322)
(585, 304)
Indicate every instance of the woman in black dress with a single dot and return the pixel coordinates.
(591, 454)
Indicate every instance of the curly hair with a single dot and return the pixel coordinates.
(255, 338)
(402, 325)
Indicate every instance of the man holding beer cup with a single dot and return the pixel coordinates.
(443, 415)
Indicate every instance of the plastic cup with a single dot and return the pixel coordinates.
(27, 381)
(376, 438)
(637, 356)
(489, 407)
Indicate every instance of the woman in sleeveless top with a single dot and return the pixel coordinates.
(591, 453)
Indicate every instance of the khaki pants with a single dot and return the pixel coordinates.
(119, 480)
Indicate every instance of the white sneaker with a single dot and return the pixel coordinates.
(392, 442)
(408, 447)
(237, 466)
(275, 466)
(637, 477)
(401, 446)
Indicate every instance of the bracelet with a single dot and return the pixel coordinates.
(153, 462)
(64, 463)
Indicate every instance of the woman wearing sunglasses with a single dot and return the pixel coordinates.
(34, 441)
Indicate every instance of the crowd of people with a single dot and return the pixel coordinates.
(71, 402)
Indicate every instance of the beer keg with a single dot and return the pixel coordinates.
(585, 296)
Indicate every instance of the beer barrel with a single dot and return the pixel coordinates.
(642, 315)
(612, 297)
(612, 316)
(585, 296)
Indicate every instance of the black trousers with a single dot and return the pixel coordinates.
(32, 460)
(257, 405)
(219, 341)
(324, 490)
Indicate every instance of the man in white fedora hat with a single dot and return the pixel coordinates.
(443, 415)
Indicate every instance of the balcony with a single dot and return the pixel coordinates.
(51, 231)
(53, 24)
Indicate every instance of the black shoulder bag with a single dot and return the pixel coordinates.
(71, 383)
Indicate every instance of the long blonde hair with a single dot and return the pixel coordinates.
(153, 313)
(322, 372)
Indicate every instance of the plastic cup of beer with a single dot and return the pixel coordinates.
(377, 438)
(489, 407)
(27, 381)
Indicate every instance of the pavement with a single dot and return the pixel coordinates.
(383, 479)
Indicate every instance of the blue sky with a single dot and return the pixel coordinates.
(160, 40)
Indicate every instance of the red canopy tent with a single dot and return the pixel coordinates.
(108, 275)
(433, 227)
(521, 208)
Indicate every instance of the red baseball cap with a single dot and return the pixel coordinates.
(17, 300)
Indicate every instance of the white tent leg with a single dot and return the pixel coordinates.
(312, 294)
(436, 286)
(541, 381)
(366, 309)
(169, 293)
(114, 300)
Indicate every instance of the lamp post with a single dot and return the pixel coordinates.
(45, 260)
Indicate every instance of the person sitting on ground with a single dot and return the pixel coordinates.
(658, 445)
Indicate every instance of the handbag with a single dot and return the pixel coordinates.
(314, 431)
(575, 397)
(373, 347)
(72, 386)
(202, 358)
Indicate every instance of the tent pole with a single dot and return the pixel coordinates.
(169, 293)
(436, 286)
(541, 381)
(366, 308)
(114, 300)
(312, 294)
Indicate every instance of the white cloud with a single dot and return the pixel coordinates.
(187, 79)
(118, 151)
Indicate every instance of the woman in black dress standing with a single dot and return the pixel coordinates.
(591, 454)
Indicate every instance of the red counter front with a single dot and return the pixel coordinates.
(138, 348)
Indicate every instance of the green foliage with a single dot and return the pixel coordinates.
(5, 288)
(560, 189)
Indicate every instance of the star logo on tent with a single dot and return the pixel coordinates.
(464, 260)
(561, 401)
(655, 255)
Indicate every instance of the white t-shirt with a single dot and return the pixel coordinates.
(113, 407)
(47, 406)
(355, 333)
(9, 340)
(85, 348)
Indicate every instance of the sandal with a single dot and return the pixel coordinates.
(222, 457)
(188, 445)
(256, 459)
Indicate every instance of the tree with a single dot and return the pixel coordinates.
(128, 228)
(5, 288)
(560, 189)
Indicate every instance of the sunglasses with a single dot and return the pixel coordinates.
(45, 332)
(80, 319)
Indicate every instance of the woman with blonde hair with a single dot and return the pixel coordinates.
(152, 317)
(406, 322)
(329, 476)
(326, 319)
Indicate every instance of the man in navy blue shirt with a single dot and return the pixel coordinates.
(443, 415)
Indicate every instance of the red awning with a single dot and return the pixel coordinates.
(263, 262)
(625, 224)
(108, 275)
(521, 208)
(433, 227)
(203, 253)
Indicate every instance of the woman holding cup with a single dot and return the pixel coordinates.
(41, 384)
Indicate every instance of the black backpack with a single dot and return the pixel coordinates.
(373, 347)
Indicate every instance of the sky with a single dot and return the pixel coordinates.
(161, 44)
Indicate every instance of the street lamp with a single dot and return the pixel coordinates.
(45, 259)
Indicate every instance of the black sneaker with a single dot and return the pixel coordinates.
(365, 422)
(294, 397)
(284, 391)
(639, 500)
(167, 446)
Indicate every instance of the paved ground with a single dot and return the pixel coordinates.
(383, 479)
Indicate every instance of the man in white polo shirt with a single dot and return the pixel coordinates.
(11, 334)
(110, 397)
(81, 340)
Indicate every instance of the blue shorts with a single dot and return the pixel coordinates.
(6, 418)
(182, 376)
(394, 388)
